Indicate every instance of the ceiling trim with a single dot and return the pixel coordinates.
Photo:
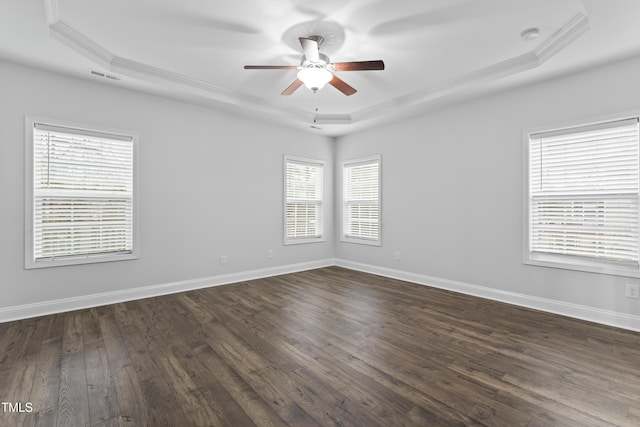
(567, 34)
(81, 44)
(86, 47)
(64, 33)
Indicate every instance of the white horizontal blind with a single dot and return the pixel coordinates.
(303, 204)
(83, 189)
(362, 200)
(584, 192)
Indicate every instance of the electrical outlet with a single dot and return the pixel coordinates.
(223, 259)
(633, 290)
(269, 253)
(396, 256)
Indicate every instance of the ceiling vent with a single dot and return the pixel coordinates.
(104, 75)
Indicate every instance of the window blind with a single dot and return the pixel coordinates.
(362, 200)
(303, 204)
(584, 192)
(83, 190)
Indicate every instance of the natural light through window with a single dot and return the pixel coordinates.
(361, 207)
(303, 207)
(81, 195)
(583, 197)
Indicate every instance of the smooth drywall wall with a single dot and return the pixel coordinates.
(210, 184)
(452, 187)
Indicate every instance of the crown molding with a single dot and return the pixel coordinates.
(201, 88)
(333, 119)
(61, 31)
(448, 87)
(80, 43)
(91, 50)
(52, 11)
(565, 36)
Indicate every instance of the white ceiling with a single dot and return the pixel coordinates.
(435, 51)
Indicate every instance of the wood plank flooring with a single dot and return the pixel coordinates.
(327, 347)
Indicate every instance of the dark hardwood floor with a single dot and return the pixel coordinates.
(329, 347)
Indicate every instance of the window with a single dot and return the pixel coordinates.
(582, 203)
(303, 219)
(80, 194)
(361, 207)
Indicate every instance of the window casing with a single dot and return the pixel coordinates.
(582, 198)
(303, 200)
(80, 194)
(361, 210)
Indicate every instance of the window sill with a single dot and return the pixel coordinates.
(79, 260)
(369, 242)
(578, 264)
(304, 240)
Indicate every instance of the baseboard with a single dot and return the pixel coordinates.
(95, 300)
(606, 317)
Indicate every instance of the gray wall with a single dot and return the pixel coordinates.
(210, 185)
(452, 187)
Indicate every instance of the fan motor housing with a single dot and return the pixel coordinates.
(322, 63)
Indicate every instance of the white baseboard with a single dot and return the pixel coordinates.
(606, 317)
(86, 301)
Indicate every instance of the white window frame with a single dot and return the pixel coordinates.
(345, 236)
(30, 261)
(587, 264)
(321, 237)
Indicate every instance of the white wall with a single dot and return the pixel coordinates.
(210, 185)
(452, 188)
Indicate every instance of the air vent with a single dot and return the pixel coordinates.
(104, 75)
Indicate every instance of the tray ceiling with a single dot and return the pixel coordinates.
(435, 51)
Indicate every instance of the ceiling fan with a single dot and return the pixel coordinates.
(316, 70)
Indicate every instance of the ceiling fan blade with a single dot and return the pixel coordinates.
(310, 48)
(270, 67)
(359, 65)
(292, 87)
(342, 86)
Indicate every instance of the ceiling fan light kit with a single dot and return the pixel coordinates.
(315, 78)
(316, 69)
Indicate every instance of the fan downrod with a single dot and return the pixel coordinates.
(317, 39)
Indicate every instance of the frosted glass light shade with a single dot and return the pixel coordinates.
(315, 78)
